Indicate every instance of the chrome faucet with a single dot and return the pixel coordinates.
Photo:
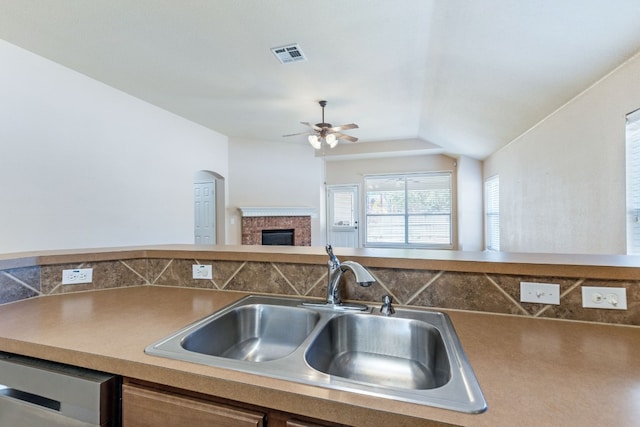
(336, 269)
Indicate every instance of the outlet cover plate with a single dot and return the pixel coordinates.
(202, 271)
(607, 298)
(540, 293)
(79, 275)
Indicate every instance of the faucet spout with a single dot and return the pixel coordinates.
(363, 277)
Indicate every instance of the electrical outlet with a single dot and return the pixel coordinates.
(80, 275)
(609, 298)
(201, 271)
(541, 293)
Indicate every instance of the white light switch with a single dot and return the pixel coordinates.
(201, 271)
(541, 293)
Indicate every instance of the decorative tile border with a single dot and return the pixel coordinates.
(493, 293)
(19, 283)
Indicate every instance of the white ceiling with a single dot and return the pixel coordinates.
(466, 75)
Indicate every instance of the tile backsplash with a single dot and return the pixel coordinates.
(495, 293)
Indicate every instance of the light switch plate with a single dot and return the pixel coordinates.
(540, 293)
(608, 298)
(202, 271)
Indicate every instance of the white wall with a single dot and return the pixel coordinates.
(562, 184)
(85, 165)
(274, 174)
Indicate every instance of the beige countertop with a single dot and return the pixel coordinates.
(532, 371)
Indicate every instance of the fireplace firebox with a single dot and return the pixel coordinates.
(282, 237)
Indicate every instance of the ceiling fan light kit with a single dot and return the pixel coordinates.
(331, 140)
(325, 132)
(315, 141)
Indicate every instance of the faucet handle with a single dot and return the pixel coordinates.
(333, 260)
(387, 309)
(329, 250)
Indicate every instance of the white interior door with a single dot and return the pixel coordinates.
(342, 216)
(205, 213)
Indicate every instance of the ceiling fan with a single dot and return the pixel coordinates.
(326, 132)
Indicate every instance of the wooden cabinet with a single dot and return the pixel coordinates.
(282, 419)
(145, 407)
(153, 405)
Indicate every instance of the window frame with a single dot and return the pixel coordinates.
(406, 215)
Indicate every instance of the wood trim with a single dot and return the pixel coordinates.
(142, 406)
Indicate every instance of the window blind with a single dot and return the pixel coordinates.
(343, 208)
(492, 211)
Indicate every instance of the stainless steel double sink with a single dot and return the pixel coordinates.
(413, 356)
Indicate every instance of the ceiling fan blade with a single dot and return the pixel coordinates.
(343, 127)
(345, 137)
(314, 127)
(294, 134)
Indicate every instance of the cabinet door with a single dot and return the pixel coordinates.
(142, 407)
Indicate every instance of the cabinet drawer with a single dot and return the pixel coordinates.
(143, 407)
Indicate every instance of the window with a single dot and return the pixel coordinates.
(342, 208)
(409, 210)
(633, 182)
(492, 212)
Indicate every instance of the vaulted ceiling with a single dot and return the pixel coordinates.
(466, 76)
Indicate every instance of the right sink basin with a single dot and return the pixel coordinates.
(381, 351)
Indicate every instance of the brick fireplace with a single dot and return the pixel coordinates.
(255, 220)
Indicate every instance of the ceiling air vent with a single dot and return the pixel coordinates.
(287, 54)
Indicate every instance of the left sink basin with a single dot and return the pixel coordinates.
(255, 332)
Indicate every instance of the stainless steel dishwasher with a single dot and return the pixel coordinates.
(38, 393)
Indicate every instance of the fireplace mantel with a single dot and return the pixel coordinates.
(278, 211)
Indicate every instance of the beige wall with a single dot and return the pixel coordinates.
(562, 184)
(353, 171)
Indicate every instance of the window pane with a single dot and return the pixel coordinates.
(429, 194)
(385, 202)
(343, 208)
(429, 229)
(493, 232)
(385, 195)
(385, 229)
(492, 211)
